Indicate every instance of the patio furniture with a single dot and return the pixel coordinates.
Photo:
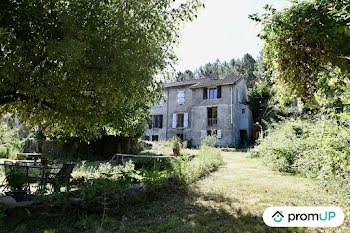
(10, 167)
(7, 166)
(26, 168)
(60, 179)
(30, 156)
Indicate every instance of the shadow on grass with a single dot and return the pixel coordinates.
(185, 213)
(176, 212)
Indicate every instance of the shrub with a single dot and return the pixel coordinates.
(176, 142)
(318, 149)
(10, 143)
(210, 140)
(187, 171)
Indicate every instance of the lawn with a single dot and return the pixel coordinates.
(231, 199)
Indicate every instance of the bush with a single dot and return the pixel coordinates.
(10, 143)
(176, 142)
(318, 149)
(210, 140)
(187, 171)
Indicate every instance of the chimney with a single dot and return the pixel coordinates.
(212, 76)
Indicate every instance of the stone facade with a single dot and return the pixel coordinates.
(195, 108)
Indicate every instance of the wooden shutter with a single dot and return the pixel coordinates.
(203, 133)
(219, 91)
(186, 120)
(174, 120)
(218, 133)
(160, 121)
(205, 93)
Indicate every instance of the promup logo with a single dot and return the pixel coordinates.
(303, 216)
(278, 216)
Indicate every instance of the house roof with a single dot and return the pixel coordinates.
(205, 82)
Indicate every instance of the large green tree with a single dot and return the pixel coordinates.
(80, 66)
(307, 46)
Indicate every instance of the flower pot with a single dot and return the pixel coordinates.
(176, 151)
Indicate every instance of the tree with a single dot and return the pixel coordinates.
(81, 66)
(247, 69)
(304, 43)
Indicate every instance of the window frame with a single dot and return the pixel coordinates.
(212, 116)
(157, 121)
(178, 121)
(213, 91)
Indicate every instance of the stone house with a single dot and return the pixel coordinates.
(196, 108)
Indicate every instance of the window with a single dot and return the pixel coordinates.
(157, 121)
(212, 93)
(212, 116)
(243, 110)
(155, 138)
(180, 120)
(181, 96)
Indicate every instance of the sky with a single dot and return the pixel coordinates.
(222, 31)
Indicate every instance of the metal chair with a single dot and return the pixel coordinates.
(8, 166)
(60, 179)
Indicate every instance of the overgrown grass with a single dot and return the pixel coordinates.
(102, 191)
(318, 149)
(165, 148)
(187, 171)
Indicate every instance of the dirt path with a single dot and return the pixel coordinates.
(231, 199)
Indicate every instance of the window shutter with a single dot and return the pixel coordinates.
(160, 121)
(205, 93)
(186, 120)
(180, 96)
(219, 91)
(174, 120)
(203, 133)
(218, 134)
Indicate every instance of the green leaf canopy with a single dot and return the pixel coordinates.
(79, 66)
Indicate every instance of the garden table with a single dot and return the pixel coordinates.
(34, 156)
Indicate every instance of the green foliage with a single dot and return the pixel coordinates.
(304, 44)
(317, 149)
(252, 70)
(210, 140)
(264, 106)
(82, 67)
(188, 171)
(176, 142)
(10, 143)
(260, 98)
(16, 178)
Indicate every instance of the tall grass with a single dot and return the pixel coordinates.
(187, 171)
(319, 149)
